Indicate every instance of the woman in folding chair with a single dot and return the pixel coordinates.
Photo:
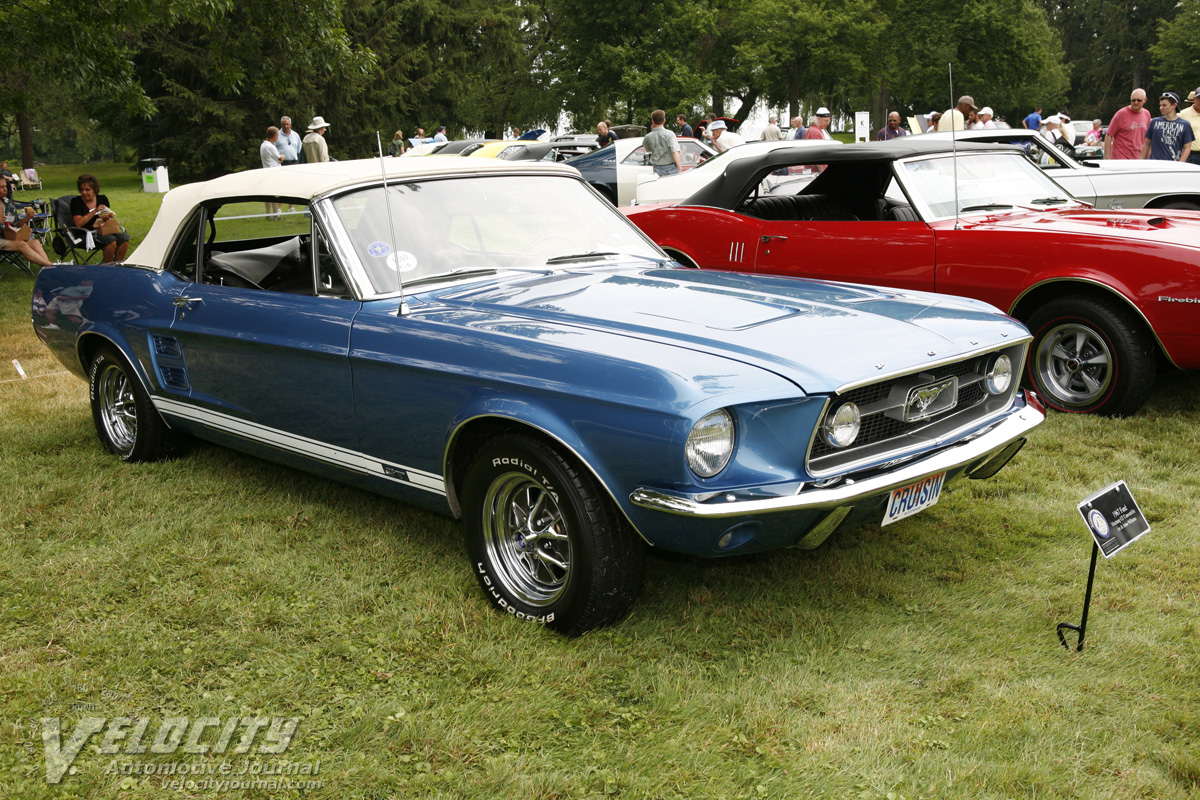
(90, 211)
(29, 249)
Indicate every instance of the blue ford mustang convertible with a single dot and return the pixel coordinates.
(495, 341)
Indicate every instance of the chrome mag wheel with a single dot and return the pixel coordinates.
(1075, 363)
(118, 409)
(526, 538)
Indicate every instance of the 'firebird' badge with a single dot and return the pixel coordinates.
(932, 398)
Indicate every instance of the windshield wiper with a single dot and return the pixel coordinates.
(457, 273)
(986, 207)
(590, 256)
(1049, 201)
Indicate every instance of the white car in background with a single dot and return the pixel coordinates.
(652, 188)
(1112, 183)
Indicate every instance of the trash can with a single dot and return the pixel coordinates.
(154, 174)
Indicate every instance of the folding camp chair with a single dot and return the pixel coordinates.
(29, 179)
(10, 259)
(68, 241)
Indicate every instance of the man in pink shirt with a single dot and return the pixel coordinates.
(1128, 128)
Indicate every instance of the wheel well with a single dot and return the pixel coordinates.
(1023, 309)
(681, 257)
(87, 347)
(472, 436)
(1161, 202)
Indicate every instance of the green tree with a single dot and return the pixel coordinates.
(1004, 53)
(1176, 57)
(217, 82)
(1107, 44)
(625, 58)
(809, 52)
(472, 65)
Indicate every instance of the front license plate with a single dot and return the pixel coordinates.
(908, 500)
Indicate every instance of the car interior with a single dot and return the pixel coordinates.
(847, 191)
(245, 247)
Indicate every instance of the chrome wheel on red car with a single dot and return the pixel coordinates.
(1090, 355)
(1075, 362)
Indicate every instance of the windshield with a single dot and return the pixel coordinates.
(472, 223)
(986, 182)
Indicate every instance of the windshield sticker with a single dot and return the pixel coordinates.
(378, 249)
(402, 261)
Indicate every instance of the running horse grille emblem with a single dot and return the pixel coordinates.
(932, 398)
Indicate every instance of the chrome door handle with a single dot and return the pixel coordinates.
(767, 238)
(185, 302)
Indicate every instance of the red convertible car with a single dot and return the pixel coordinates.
(1111, 296)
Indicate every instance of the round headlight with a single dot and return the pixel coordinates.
(999, 375)
(710, 444)
(841, 427)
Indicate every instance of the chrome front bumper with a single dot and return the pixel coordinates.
(977, 450)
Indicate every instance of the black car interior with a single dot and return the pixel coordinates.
(847, 191)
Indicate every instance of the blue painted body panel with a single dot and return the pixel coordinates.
(615, 362)
(599, 168)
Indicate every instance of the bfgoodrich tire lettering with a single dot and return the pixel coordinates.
(1090, 355)
(547, 545)
(126, 421)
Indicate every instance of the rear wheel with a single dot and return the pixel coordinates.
(126, 421)
(1090, 355)
(547, 545)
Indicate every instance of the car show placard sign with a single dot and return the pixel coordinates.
(1114, 518)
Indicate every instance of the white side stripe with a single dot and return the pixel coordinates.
(301, 445)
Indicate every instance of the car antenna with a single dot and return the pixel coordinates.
(387, 201)
(954, 144)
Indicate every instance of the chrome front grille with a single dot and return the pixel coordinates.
(890, 428)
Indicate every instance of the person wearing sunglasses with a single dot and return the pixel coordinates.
(1128, 128)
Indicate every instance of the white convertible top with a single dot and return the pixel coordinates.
(306, 182)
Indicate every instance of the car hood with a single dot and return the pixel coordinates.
(821, 336)
(1174, 227)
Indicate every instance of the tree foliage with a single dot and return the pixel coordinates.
(1176, 57)
(1108, 46)
(203, 79)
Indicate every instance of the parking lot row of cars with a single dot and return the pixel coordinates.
(495, 340)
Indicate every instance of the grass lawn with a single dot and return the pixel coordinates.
(917, 661)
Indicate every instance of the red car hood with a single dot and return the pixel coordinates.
(1147, 224)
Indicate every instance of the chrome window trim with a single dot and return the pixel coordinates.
(362, 287)
(927, 214)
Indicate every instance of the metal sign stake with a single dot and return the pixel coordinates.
(1115, 521)
(1081, 628)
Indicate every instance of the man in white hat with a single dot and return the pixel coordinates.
(722, 137)
(1192, 115)
(819, 126)
(315, 149)
(985, 120)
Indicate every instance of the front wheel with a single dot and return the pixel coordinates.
(547, 545)
(1090, 355)
(126, 421)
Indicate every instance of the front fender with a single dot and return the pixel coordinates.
(615, 446)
